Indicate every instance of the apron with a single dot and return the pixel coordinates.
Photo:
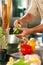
(39, 4)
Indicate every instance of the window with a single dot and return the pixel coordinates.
(19, 7)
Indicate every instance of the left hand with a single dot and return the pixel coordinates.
(25, 31)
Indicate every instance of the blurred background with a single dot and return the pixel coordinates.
(18, 9)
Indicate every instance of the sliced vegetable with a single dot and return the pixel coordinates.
(16, 31)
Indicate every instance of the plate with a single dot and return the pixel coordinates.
(17, 55)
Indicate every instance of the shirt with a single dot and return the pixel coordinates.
(36, 7)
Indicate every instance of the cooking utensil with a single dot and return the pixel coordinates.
(12, 39)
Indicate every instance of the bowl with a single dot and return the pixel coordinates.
(12, 39)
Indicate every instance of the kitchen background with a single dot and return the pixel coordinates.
(18, 8)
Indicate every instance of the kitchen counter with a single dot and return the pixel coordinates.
(38, 51)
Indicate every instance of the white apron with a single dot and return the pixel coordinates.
(39, 4)
(35, 8)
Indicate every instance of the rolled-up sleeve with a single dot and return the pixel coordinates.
(32, 8)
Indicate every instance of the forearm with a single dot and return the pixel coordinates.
(38, 28)
(27, 18)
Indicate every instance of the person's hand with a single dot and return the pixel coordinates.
(24, 32)
(17, 23)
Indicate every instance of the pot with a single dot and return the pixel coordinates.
(12, 39)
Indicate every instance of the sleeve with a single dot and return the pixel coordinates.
(42, 21)
(32, 8)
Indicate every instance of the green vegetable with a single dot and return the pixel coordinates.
(16, 31)
(2, 37)
(1, 32)
(21, 62)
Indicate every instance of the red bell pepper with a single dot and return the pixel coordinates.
(26, 49)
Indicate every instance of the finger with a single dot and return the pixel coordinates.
(19, 35)
(15, 25)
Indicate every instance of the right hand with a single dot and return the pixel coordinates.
(17, 23)
(24, 32)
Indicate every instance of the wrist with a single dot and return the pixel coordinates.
(30, 31)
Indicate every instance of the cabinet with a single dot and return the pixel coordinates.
(19, 6)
